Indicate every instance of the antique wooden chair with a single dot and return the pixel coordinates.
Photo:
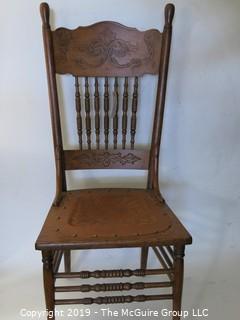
(109, 218)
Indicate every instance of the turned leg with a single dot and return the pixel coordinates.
(48, 280)
(144, 257)
(178, 279)
(67, 260)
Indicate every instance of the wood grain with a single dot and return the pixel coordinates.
(134, 112)
(87, 110)
(97, 113)
(106, 49)
(124, 113)
(115, 116)
(114, 299)
(78, 111)
(106, 112)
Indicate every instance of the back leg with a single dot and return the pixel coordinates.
(67, 260)
(144, 257)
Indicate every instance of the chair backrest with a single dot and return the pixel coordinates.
(106, 50)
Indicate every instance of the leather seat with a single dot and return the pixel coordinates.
(97, 216)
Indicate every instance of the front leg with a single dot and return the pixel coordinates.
(178, 279)
(48, 280)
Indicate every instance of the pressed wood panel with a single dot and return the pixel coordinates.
(106, 159)
(106, 49)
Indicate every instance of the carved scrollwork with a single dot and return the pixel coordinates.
(108, 48)
(107, 158)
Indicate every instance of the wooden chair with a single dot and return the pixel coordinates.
(109, 218)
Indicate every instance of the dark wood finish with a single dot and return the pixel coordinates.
(121, 273)
(124, 115)
(115, 117)
(102, 159)
(97, 114)
(57, 257)
(78, 110)
(144, 257)
(114, 287)
(87, 110)
(106, 112)
(67, 260)
(163, 262)
(53, 101)
(166, 257)
(178, 279)
(153, 177)
(109, 218)
(134, 112)
(48, 280)
(106, 49)
(114, 299)
(170, 251)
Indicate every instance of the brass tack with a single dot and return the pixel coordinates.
(58, 218)
(75, 235)
(57, 230)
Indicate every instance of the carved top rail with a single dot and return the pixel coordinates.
(106, 49)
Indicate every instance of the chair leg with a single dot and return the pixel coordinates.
(144, 257)
(48, 280)
(178, 279)
(67, 260)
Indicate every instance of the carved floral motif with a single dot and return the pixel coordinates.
(107, 158)
(107, 47)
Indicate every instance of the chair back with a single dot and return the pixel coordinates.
(112, 58)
